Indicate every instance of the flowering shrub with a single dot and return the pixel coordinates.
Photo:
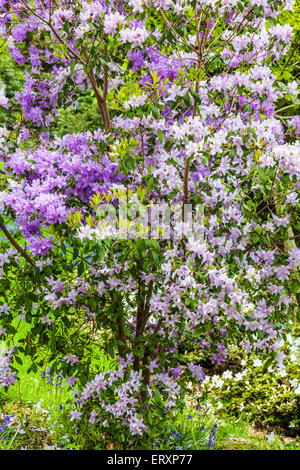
(268, 395)
(186, 99)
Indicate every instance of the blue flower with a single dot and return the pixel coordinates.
(212, 437)
(52, 379)
(177, 435)
(4, 424)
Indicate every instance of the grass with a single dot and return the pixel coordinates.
(231, 434)
(40, 422)
(41, 419)
(40, 405)
(39, 408)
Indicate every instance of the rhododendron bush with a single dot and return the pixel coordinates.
(187, 119)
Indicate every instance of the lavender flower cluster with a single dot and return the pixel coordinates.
(199, 127)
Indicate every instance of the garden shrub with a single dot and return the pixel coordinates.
(265, 395)
(187, 104)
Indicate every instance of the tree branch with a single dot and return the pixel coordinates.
(16, 245)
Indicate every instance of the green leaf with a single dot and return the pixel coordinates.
(105, 64)
(157, 396)
(80, 268)
(298, 315)
(150, 184)
(100, 252)
(111, 349)
(187, 100)
(169, 145)
(160, 135)
(195, 96)
(18, 360)
(66, 27)
(295, 287)
(154, 111)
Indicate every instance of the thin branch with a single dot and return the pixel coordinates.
(16, 245)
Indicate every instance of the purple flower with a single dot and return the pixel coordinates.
(72, 359)
(197, 372)
(75, 415)
(176, 371)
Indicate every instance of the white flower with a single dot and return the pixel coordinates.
(219, 383)
(136, 5)
(227, 374)
(292, 87)
(257, 363)
(248, 307)
(289, 338)
(3, 100)
(135, 101)
(3, 197)
(293, 357)
(270, 437)
(46, 320)
(297, 390)
(85, 232)
(240, 375)
(219, 405)
(294, 383)
(111, 22)
(135, 36)
(283, 373)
